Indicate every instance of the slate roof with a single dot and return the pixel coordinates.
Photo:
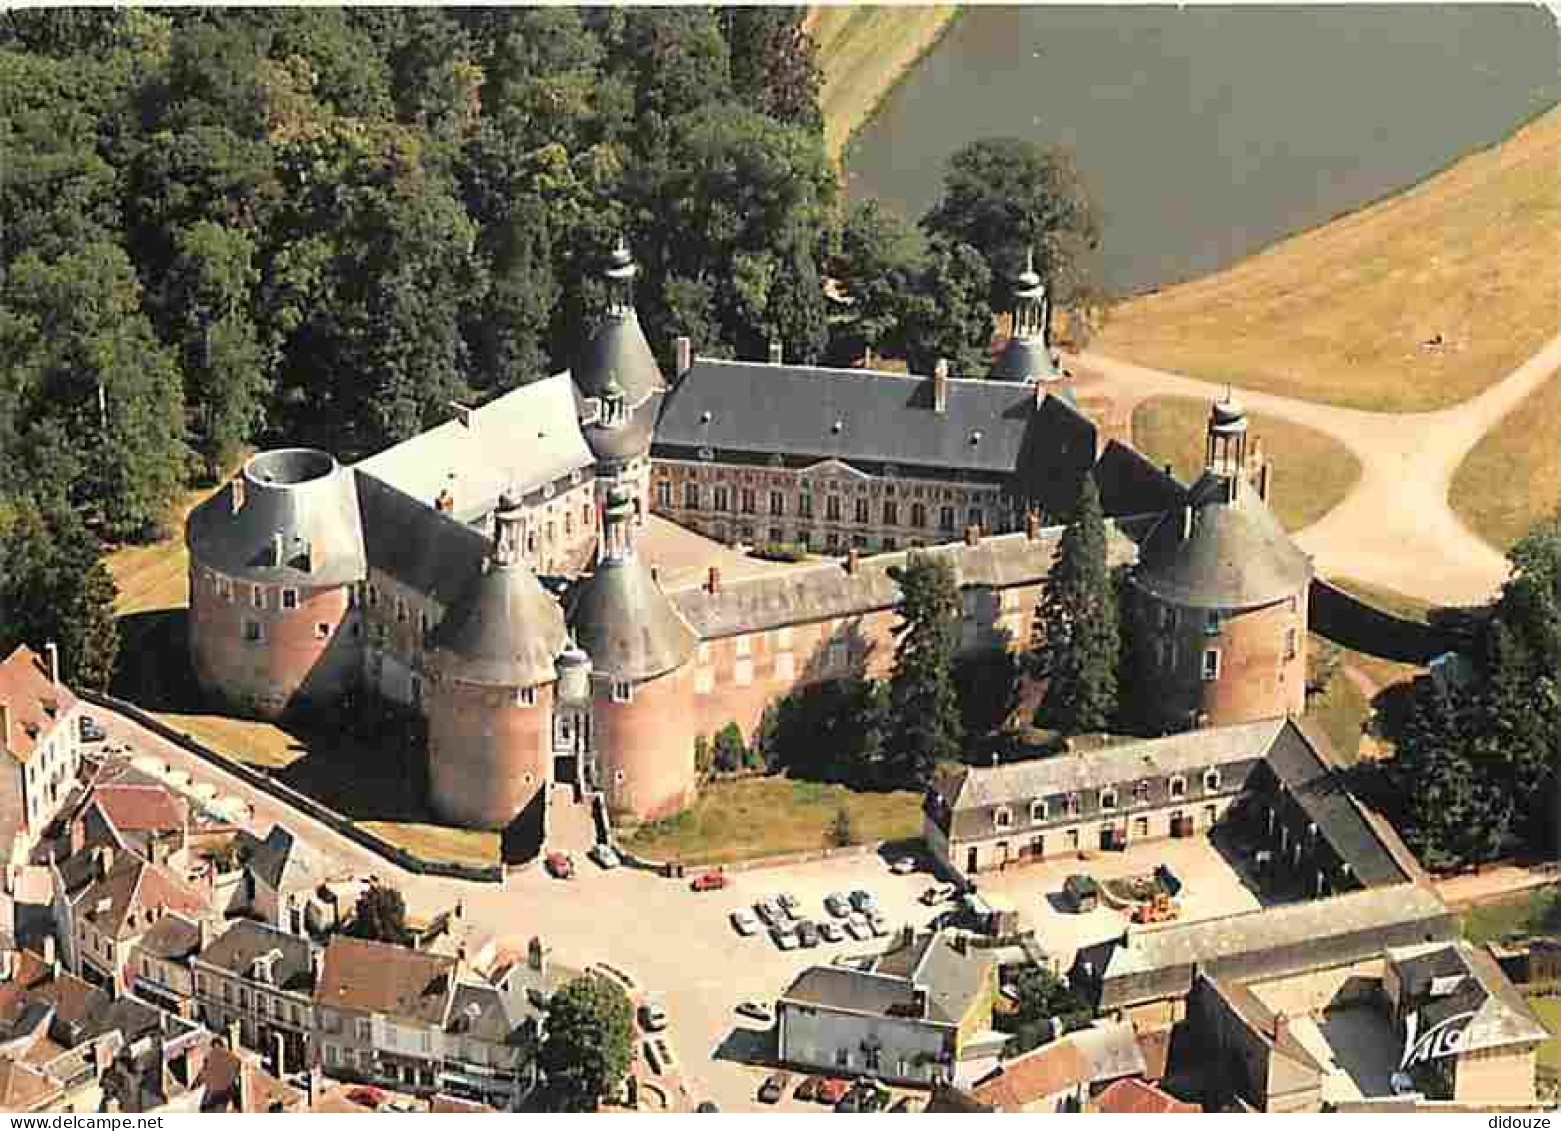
(172, 937)
(1024, 358)
(133, 889)
(627, 625)
(22, 1088)
(848, 414)
(851, 990)
(245, 941)
(1262, 1022)
(425, 550)
(1310, 778)
(952, 982)
(282, 862)
(516, 442)
(617, 360)
(1236, 557)
(822, 592)
(482, 1013)
(974, 787)
(1131, 483)
(37, 704)
(304, 495)
(505, 629)
(374, 977)
(1501, 1015)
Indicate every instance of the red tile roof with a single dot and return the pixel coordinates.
(37, 704)
(1032, 1077)
(140, 808)
(1135, 1097)
(134, 894)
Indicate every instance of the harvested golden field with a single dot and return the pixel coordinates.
(1512, 478)
(1312, 472)
(863, 52)
(1342, 313)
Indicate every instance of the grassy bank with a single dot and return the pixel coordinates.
(739, 820)
(1512, 478)
(1312, 473)
(863, 52)
(1535, 912)
(1341, 313)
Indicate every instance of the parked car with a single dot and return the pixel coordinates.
(561, 865)
(807, 933)
(653, 1015)
(774, 1087)
(863, 900)
(90, 731)
(938, 893)
(832, 930)
(769, 911)
(877, 924)
(831, 1090)
(808, 1089)
(837, 905)
(707, 1106)
(904, 866)
(1082, 891)
(744, 922)
(866, 1095)
(605, 856)
(789, 903)
(758, 1011)
(786, 940)
(857, 928)
(709, 881)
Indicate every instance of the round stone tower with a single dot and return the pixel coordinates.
(622, 387)
(1220, 596)
(274, 562)
(490, 705)
(642, 684)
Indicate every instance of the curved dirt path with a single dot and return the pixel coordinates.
(1394, 528)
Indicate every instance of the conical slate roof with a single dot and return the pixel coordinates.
(503, 630)
(617, 360)
(1024, 359)
(1236, 555)
(627, 624)
(300, 494)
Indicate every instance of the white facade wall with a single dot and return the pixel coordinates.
(835, 1042)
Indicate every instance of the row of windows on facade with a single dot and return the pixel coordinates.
(621, 690)
(1169, 617)
(1072, 837)
(1072, 805)
(745, 501)
(243, 998)
(867, 486)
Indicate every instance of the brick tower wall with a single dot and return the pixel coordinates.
(307, 655)
(487, 756)
(645, 748)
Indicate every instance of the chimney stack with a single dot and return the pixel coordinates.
(445, 503)
(278, 549)
(279, 1045)
(853, 561)
(236, 492)
(49, 958)
(940, 385)
(683, 350)
(5, 725)
(777, 351)
(972, 535)
(713, 583)
(536, 954)
(54, 662)
(1032, 525)
(1281, 1027)
(233, 1031)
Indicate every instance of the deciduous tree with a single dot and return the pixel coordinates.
(589, 1042)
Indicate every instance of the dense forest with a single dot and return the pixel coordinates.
(227, 228)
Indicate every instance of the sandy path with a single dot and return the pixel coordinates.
(1395, 528)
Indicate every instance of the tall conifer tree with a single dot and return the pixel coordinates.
(924, 723)
(1079, 610)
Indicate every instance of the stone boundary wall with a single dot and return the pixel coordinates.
(493, 873)
(1346, 619)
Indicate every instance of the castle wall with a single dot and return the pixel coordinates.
(645, 746)
(488, 752)
(264, 658)
(1261, 662)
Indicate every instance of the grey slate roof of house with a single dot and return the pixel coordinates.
(976, 787)
(856, 991)
(618, 358)
(847, 414)
(1501, 1015)
(953, 980)
(517, 442)
(504, 630)
(1315, 784)
(301, 494)
(245, 941)
(1131, 483)
(480, 1012)
(1237, 557)
(627, 625)
(429, 552)
(281, 861)
(172, 937)
(1209, 940)
(821, 592)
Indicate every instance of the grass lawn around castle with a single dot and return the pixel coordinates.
(1548, 1010)
(1530, 913)
(1341, 313)
(755, 817)
(1512, 478)
(1312, 472)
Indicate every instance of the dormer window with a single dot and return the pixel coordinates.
(1108, 798)
(1211, 781)
(1003, 818)
(1037, 812)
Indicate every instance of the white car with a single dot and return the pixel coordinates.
(837, 905)
(744, 922)
(789, 903)
(878, 925)
(786, 940)
(771, 912)
(604, 855)
(758, 1011)
(904, 866)
(857, 927)
(832, 931)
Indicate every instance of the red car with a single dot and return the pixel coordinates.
(710, 881)
(561, 865)
(831, 1091)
